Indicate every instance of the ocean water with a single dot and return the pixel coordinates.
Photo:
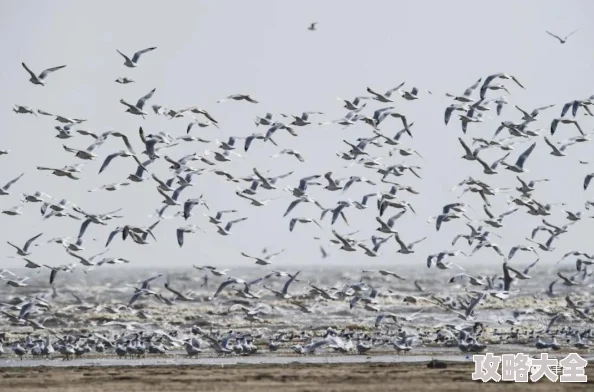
(97, 301)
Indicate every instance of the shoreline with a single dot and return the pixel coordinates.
(265, 377)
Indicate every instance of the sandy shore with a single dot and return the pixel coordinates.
(295, 377)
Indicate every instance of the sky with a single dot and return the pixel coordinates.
(207, 50)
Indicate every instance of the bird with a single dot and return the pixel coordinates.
(227, 229)
(185, 230)
(562, 120)
(265, 260)
(124, 80)
(312, 26)
(238, 97)
(518, 167)
(288, 151)
(490, 78)
(4, 190)
(385, 97)
(406, 248)
(558, 151)
(138, 108)
(24, 251)
(562, 40)
(40, 79)
(294, 221)
(133, 63)
(465, 97)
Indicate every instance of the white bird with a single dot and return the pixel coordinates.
(404, 248)
(40, 80)
(21, 109)
(294, 221)
(238, 97)
(124, 80)
(133, 63)
(385, 97)
(227, 229)
(24, 251)
(184, 230)
(518, 167)
(559, 151)
(265, 260)
(138, 108)
(12, 211)
(287, 151)
(6, 187)
(465, 97)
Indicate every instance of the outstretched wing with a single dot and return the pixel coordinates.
(48, 71)
(142, 101)
(140, 53)
(28, 70)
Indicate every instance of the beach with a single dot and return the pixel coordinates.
(266, 377)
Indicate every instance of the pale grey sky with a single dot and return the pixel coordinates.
(207, 50)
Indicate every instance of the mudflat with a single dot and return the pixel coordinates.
(410, 377)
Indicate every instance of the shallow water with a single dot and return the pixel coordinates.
(96, 303)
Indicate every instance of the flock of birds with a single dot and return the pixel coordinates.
(571, 322)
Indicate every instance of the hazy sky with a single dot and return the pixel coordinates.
(207, 50)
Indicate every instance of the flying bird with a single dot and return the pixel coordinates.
(40, 80)
(564, 39)
(133, 63)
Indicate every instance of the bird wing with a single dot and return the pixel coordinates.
(286, 287)
(497, 162)
(178, 191)
(123, 55)
(30, 72)
(570, 34)
(548, 142)
(517, 82)
(141, 101)
(140, 53)
(222, 286)
(399, 240)
(83, 227)
(537, 110)
(180, 237)
(416, 242)
(231, 223)
(391, 91)
(485, 85)
(9, 183)
(161, 183)
(208, 116)
(470, 89)
(108, 160)
(587, 180)
(126, 141)
(465, 146)
(522, 159)
(341, 238)
(483, 163)
(30, 241)
(553, 35)
(526, 113)
(506, 213)
(96, 144)
(527, 269)
(48, 71)
(127, 104)
(292, 206)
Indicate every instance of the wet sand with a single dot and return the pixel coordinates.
(294, 377)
